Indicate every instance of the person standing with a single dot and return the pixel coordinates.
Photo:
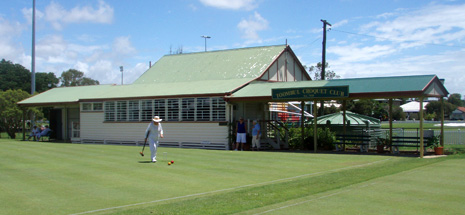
(154, 132)
(256, 135)
(241, 134)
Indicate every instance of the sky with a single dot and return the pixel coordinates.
(366, 38)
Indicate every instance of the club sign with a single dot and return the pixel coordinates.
(310, 92)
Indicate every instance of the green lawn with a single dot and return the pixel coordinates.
(416, 125)
(58, 178)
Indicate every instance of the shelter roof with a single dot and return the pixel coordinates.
(354, 118)
(376, 87)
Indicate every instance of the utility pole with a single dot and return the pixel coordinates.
(33, 55)
(323, 61)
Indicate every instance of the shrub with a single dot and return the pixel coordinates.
(325, 138)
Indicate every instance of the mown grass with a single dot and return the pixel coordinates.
(416, 125)
(57, 178)
(260, 196)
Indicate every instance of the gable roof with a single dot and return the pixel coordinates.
(214, 73)
(377, 87)
(462, 109)
(243, 63)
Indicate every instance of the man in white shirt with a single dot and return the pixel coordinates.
(153, 133)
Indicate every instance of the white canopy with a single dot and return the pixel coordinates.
(413, 106)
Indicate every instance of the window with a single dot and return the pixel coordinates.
(86, 106)
(173, 109)
(110, 112)
(92, 106)
(146, 110)
(133, 110)
(159, 107)
(184, 109)
(203, 109)
(121, 111)
(98, 106)
(218, 109)
(188, 109)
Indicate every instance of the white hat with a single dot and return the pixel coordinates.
(156, 119)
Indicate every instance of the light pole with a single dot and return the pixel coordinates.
(121, 69)
(205, 37)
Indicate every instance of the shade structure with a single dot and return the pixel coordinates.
(352, 119)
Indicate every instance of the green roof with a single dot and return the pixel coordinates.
(380, 87)
(105, 92)
(203, 73)
(355, 119)
(243, 63)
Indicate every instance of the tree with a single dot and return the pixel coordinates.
(11, 115)
(435, 107)
(316, 72)
(362, 106)
(14, 76)
(74, 77)
(455, 99)
(45, 81)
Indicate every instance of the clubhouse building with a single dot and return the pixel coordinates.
(200, 95)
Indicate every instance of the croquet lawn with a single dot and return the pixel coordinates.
(60, 178)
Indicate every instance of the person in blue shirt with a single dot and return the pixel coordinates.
(43, 133)
(256, 136)
(241, 134)
(35, 131)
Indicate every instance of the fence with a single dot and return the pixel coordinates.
(451, 137)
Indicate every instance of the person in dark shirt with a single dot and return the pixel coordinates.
(241, 134)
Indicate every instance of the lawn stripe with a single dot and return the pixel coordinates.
(233, 188)
(311, 200)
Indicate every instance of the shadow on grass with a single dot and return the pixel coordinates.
(145, 161)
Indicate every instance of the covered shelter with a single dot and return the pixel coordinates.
(350, 119)
(419, 86)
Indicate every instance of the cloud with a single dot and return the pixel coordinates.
(355, 53)
(252, 26)
(9, 31)
(59, 16)
(122, 45)
(433, 24)
(27, 13)
(413, 65)
(231, 4)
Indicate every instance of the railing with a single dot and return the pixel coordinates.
(451, 137)
(276, 134)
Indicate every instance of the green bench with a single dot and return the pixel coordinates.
(350, 139)
(413, 142)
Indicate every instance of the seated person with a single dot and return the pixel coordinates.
(43, 132)
(34, 132)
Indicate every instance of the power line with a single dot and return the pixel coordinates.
(386, 38)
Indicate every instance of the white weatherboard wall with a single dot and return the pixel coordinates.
(93, 127)
(277, 71)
